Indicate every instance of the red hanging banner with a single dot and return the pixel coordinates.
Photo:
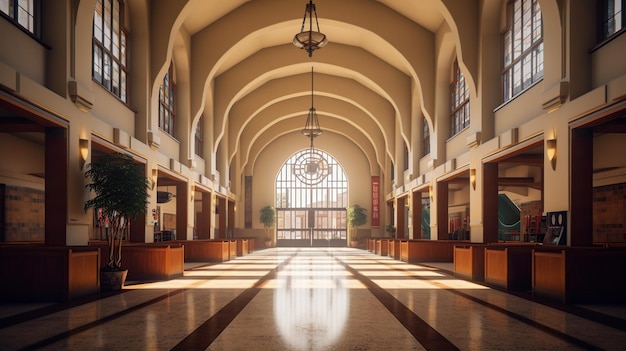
(375, 201)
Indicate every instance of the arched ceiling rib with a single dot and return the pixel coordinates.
(377, 75)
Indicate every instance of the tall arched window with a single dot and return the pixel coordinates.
(199, 138)
(311, 201)
(522, 46)
(167, 102)
(459, 101)
(109, 47)
(425, 137)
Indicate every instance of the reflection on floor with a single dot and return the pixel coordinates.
(311, 299)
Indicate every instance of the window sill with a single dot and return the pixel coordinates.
(517, 95)
(608, 40)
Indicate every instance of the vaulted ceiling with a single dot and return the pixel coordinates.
(375, 76)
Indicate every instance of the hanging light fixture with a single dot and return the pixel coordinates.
(310, 40)
(312, 126)
(312, 130)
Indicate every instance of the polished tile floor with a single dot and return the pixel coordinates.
(311, 299)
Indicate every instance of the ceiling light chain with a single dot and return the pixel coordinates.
(310, 40)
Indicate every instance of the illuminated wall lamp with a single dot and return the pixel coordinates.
(83, 149)
(155, 177)
(431, 194)
(193, 192)
(551, 152)
(472, 177)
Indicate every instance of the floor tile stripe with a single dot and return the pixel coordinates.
(422, 331)
(545, 328)
(48, 341)
(206, 333)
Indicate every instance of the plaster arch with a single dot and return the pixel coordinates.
(375, 116)
(294, 126)
(380, 77)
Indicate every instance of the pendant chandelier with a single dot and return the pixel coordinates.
(310, 40)
(312, 126)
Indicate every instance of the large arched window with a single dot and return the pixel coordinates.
(167, 102)
(522, 46)
(459, 101)
(311, 201)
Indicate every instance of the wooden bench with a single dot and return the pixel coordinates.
(508, 266)
(232, 249)
(208, 250)
(394, 249)
(153, 262)
(242, 246)
(371, 244)
(421, 250)
(469, 261)
(382, 246)
(44, 273)
(579, 274)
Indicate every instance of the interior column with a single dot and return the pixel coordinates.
(56, 159)
(490, 202)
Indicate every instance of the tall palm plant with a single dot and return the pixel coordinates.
(121, 190)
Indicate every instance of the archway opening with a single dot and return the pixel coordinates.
(311, 199)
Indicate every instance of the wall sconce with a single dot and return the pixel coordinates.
(472, 176)
(551, 152)
(155, 177)
(430, 192)
(192, 192)
(83, 148)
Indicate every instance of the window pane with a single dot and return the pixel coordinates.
(107, 72)
(527, 24)
(123, 86)
(507, 48)
(538, 61)
(107, 25)
(123, 49)
(517, 30)
(517, 78)
(537, 34)
(24, 14)
(97, 63)
(526, 71)
(97, 22)
(116, 79)
(116, 30)
(4, 6)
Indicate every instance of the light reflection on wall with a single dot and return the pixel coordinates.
(311, 310)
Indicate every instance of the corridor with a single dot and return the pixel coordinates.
(311, 299)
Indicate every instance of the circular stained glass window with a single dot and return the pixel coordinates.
(311, 167)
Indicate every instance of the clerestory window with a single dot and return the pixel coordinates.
(167, 103)
(459, 101)
(425, 137)
(110, 53)
(25, 13)
(612, 17)
(522, 47)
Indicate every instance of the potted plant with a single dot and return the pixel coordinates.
(121, 190)
(267, 216)
(356, 217)
(391, 230)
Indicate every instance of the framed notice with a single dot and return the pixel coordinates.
(375, 201)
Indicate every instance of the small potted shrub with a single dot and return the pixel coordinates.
(267, 216)
(121, 190)
(356, 217)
